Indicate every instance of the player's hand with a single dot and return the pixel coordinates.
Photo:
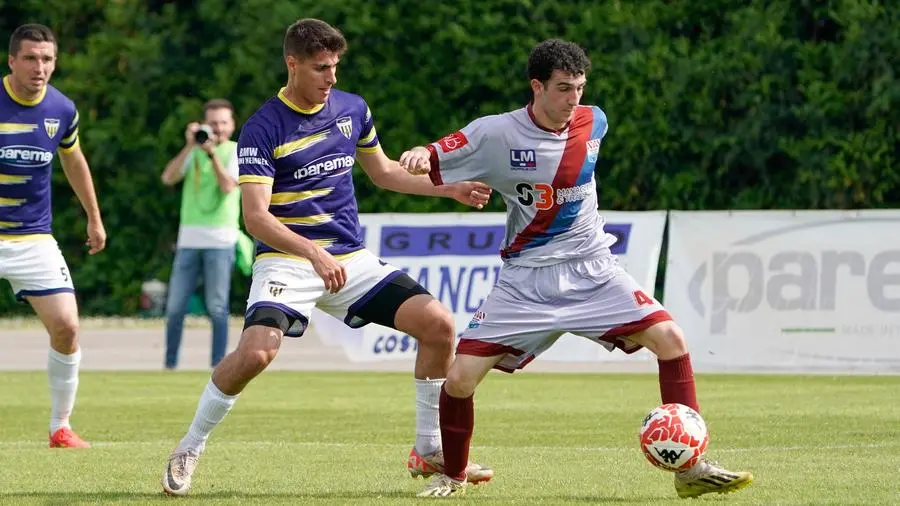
(330, 270)
(96, 234)
(416, 161)
(470, 193)
(189, 131)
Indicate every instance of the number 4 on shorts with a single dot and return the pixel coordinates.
(642, 299)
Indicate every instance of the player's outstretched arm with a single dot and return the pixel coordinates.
(78, 174)
(264, 226)
(389, 174)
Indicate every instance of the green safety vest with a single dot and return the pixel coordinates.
(202, 202)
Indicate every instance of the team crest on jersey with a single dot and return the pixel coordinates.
(51, 126)
(593, 149)
(276, 287)
(345, 125)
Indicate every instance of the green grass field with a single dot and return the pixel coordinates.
(341, 438)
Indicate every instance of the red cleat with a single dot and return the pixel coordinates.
(66, 438)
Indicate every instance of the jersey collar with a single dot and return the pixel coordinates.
(534, 120)
(314, 109)
(21, 101)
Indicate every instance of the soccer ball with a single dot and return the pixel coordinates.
(673, 437)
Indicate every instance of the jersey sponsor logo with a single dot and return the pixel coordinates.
(250, 156)
(51, 126)
(522, 159)
(593, 150)
(324, 165)
(453, 142)
(25, 156)
(542, 196)
(574, 193)
(539, 195)
(345, 125)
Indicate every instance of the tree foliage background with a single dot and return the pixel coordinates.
(721, 104)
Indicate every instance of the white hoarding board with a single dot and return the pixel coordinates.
(787, 291)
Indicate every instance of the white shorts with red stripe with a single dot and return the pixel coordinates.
(531, 307)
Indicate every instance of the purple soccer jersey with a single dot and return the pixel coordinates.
(30, 132)
(307, 155)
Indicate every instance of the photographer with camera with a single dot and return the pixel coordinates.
(209, 225)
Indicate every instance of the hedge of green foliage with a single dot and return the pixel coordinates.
(712, 105)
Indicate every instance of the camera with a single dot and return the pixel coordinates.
(203, 134)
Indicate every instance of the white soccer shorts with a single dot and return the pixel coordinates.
(531, 307)
(292, 285)
(34, 266)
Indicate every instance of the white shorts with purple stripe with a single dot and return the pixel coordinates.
(292, 285)
(531, 307)
(34, 266)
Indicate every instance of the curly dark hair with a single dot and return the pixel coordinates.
(308, 36)
(556, 54)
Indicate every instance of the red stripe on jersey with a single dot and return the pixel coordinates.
(566, 176)
(435, 173)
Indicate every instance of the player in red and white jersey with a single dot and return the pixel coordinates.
(559, 274)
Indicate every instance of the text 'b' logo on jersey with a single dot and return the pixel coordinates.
(51, 126)
(522, 159)
(453, 142)
(345, 125)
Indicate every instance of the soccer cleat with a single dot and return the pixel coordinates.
(177, 478)
(442, 485)
(707, 477)
(432, 464)
(64, 437)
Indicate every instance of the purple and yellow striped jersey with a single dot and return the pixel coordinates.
(545, 178)
(307, 155)
(30, 132)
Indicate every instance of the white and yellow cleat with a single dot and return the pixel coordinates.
(429, 465)
(177, 478)
(707, 477)
(442, 485)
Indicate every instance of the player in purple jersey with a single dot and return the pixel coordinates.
(558, 274)
(37, 120)
(296, 155)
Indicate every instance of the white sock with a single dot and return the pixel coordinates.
(428, 422)
(211, 409)
(63, 373)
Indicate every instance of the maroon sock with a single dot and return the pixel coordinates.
(457, 425)
(676, 381)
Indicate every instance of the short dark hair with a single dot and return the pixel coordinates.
(556, 54)
(33, 32)
(217, 103)
(308, 36)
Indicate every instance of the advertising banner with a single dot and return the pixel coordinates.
(792, 291)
